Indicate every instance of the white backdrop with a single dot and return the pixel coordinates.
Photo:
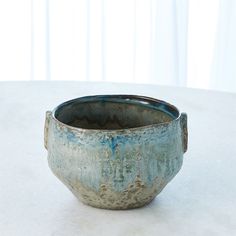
(173, 42)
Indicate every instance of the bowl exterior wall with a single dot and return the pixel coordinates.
(115, 169)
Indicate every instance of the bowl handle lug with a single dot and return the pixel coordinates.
(184, 131)
(46, 127)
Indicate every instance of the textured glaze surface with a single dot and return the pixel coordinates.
(119, 168)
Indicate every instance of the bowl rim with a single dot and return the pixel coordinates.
(139, 99)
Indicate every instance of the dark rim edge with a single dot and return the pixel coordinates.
(121, 96)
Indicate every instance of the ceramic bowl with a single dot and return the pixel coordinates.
(115, 151)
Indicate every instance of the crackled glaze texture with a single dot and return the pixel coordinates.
(117, 151)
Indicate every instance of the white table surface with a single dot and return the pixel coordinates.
(200, 200)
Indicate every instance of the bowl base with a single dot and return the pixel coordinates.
(136, 196)
(117, 207)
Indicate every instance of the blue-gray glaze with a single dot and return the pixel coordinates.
(115, 151)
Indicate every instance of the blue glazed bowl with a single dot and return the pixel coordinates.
(115, 151)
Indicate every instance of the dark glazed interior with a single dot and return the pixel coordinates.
(114, 112)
